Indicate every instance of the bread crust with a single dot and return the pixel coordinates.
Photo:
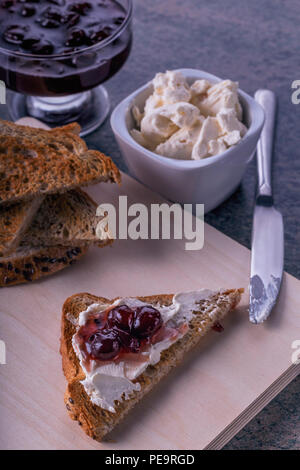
(30, 264)
(98, 422)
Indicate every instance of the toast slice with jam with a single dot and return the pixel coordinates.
(115, 351)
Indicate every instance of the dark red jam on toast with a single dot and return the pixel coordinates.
(119, 330)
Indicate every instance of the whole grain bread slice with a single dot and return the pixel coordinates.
(98, 422)
(35, 162)
(66, 219)
(14, 221)
(28, 264)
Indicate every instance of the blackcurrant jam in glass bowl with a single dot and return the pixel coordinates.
(54, 54)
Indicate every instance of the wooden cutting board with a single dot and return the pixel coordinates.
(203, 403)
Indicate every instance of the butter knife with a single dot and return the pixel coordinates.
(267, 247)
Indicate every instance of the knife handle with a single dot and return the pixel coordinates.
(267, 99)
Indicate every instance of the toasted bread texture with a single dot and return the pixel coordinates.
(65, 219)
(28, 264)
(16, 218)
(35, 162)
(98, 422)
(14, 221)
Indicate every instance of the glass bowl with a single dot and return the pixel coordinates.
(62, 88)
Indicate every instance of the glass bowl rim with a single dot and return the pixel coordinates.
(102, 43)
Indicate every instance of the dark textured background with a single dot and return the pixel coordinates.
(257, 43)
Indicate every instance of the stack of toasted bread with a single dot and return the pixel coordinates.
(46, 221)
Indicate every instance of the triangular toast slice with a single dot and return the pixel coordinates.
(28, 264)
(97, 421)
(66, 219)
(35, 162)
(14, 221)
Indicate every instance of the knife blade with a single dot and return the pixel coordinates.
(267, 246)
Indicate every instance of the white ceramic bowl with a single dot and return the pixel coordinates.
(209, 181)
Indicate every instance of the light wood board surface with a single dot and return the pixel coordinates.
(201, 404)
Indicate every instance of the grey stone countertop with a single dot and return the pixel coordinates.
(257, 44)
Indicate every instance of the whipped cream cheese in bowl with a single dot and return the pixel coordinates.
(188, 135)
(189, 121)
